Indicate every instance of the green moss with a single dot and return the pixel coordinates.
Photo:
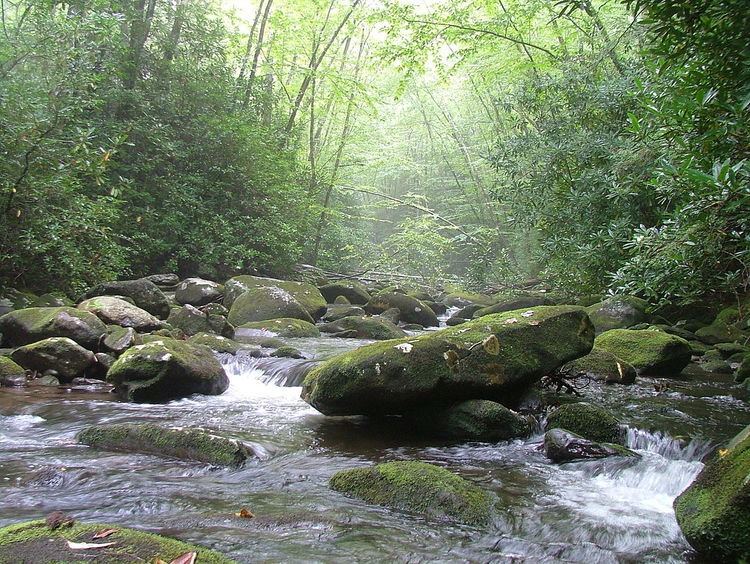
(588, 421)
(287, 352)
(460, 299)
(618, 312)
(714, 511)
(34, 541)
(511, 302)
(283, 327)
(728, 316)
(412, 310)
(265, 303)
(602, 365)
(366, 327)
(353, 291)
(9, 368)
(215, 343)
(651, 352)
(25, 326)
(719, 332)
(186, 444)
(419, 487)
(306, 294)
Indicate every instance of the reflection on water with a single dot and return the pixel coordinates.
(596, 511)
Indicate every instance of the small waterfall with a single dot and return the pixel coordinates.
(666, 446)
(284, 372)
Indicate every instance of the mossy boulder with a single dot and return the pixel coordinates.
(718, 332)
(602, 365)
(264, 303)
(191, 321)
(412, 310)
(24, 326)
(588, 421)
(37, 542)
(563, 446)
(64, 356)
(478, 420)
(284, 327)
(714, 511)
(119, 339)
(115, 311)
(287, 352)
(198, 292)
(165, 280)
(618, 312)
(336, 312)
(510, 303)
(185, 444)
(51, 300)
(216, 343)
(418, 487)
(651, 352)
(495, 358)
(463, 299)
(365, 328)
(352, 290)
(144, 293)
(306, 294)
(167, 369)
(11, 374)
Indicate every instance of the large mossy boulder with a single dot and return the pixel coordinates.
(651, 352)
(714, 511)
(25, 326)
(185, 444)
(115, 311)
(41, 542)
(144, 293)
(167, 369)
(352, 290)
(418, 487)
(306, 294)
(412, 310)
(191, 321)
(198, 292)
(601, 365)
(477, 420)
(589, 421)
(618, 312)
(64, 356)
(264, 303)
(283, 327)
(505, 302)
(563, 446)
(497, 358)
(364, 328)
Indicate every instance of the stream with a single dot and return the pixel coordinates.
(595, 511)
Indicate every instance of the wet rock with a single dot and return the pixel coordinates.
(102, 365)
(144, 293)
(9, 369)
(257, 340)
(618, 312)
(419, 487)
(392, 315)
(364, 328)
(601, 365)
(412, 310)
(46, 380)
(66, 357)
(490, 358)
(453, 321)
(588, 421)
(167, 369)
(164, 279)
(563, 446)
(352, 290)
(478, 420)
(192, 321)
(651, 352)
(412, 327)
(468, 311)
(287, 352)
(115, 311)
(463, 299)
(198, 292)
(264, 303)
(25, 326)
(283, 327)
(336, 312)
(119, 339)
(216, 343)
(438, 308)
(35, 541)
(306, 294)
(714, 511)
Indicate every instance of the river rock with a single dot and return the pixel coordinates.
(287, 352)
(714, 511)
(336, 312)
(25, 326)
(198, 292)
(514, 303)
(352, 290)
(463, 299)
(264, 303)
(11, 374)
(166, 280)
(144, 293)
(418, 487)
(284, 327)
(115, 311)
(185, 444)
(364, 328)
(306, 294)
(167, 369)
(588, 421)
(651, 352)
(216, 343)
(618, 312)
(51, 300)
(718, 332)
(392, 314)
(191, 321)
(36, 541)
(66, 357)
(214, 309)
(119, 339)
(438, 308)
(412, 310)
(478, 420)
(601, 365)
(563, 446)
(495, 358)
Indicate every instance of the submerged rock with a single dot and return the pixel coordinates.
(651, 352)
(618, 312)
(496, 358)
(198, 292)
(478, 420)
(306, 294)
(185, 444)
(364, 328)
(167, 369)
(115, 311)
(144, 293)
(589, 421)
(602, 365)
(283, 327)
(352, 290)
(25, 326)
(264, 303)
(66, 357)
(563, 446)
(419, 487)
(412, 310)
(43, 543)
(714, 511)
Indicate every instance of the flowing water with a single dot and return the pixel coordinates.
(595, 511)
